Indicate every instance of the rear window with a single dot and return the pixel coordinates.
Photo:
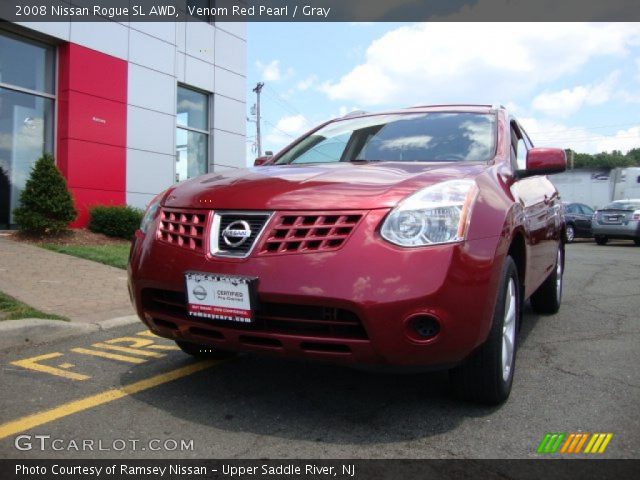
(623, 205)
(410, 137)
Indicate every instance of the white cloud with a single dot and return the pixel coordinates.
(475, 62)
(285, 131)
(271, 72)
(545, 133)
(565, 102)
(293, 125)
(623, 140)
(306, 83)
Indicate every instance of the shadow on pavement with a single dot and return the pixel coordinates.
(318, 402)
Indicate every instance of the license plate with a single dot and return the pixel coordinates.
(221, 297)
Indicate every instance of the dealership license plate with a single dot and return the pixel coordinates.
(220, 297)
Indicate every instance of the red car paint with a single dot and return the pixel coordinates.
(382, 285)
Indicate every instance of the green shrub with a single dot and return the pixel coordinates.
(115, 220)
(46, 206)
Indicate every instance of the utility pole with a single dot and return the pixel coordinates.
(258, 89)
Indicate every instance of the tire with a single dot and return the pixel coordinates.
(487, 375)
(203, 351)
(548, 297)
(601, 239)
(636, 241)
(570, 233)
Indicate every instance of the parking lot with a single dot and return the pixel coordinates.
(125, 393)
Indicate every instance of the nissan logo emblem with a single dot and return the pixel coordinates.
(199, 292)
(236, 233)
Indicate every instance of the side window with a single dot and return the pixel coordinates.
(519, 148)
(326, 151)
(514, 146)
(586, 210)
(521, 155)
(572, 209)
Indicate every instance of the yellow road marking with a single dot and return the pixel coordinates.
(132, 341)
(163, 347)
(112, 356)
(64, 410)
(66, 365)
(133, 351)
(33, 364)
(147, 333)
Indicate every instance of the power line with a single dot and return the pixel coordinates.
(278, 97)
(279, 130)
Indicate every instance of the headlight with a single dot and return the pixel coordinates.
(150, 213)
(436, 214)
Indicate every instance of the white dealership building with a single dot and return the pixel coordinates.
(127, 109)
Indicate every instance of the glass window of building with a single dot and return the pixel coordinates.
(192, 133)
(27, 87)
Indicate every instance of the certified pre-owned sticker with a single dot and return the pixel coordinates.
(219, 297)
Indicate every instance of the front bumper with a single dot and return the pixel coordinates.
(378, 284)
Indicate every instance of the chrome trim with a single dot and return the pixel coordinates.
(214, 233)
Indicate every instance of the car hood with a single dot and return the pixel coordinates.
(338, 186)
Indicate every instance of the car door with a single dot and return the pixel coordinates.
(542, 214)
(583, 220)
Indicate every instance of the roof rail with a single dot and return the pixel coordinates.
(455, 105)
(355, 113)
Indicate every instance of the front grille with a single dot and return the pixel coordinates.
(271, 317)
(183, 228)
(230, 246)
(294, 233)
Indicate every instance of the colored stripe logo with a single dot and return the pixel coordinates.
(573, 443)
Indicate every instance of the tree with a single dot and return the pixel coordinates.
(46, 206)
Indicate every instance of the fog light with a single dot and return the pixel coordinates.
(424, 327)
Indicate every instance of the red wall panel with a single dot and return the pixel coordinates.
(100, 167)
(96, 119)
(95, 73)
(92, 127)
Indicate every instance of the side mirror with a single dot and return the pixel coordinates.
(261, 160)
(544, 161)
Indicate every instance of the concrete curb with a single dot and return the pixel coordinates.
(35, 331)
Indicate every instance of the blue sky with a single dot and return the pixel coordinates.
(572, 85)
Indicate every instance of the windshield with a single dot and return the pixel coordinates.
(623, 205)
(404, 137)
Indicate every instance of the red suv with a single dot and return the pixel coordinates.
(408, 238)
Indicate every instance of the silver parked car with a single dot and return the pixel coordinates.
(619, 219)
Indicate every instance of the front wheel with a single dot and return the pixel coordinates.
(203, 351)
(487, 375)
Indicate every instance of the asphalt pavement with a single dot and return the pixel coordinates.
(122, 393)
